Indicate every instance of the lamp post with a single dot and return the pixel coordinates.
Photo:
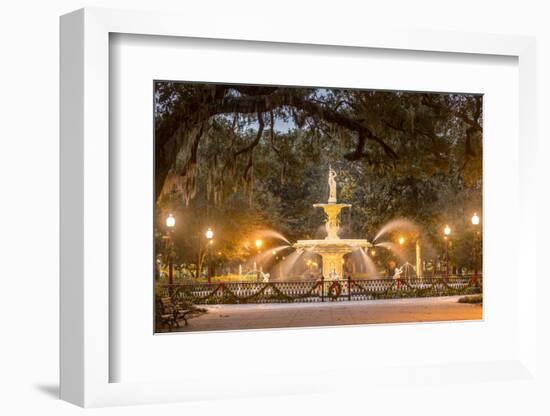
(259, 244)
(170, 224)
(209, 236)
(447, 233)
(419, 271)
(475, 223)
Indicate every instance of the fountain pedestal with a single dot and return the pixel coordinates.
(332, 224)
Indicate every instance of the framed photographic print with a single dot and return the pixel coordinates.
(243, 216)
(262, 192)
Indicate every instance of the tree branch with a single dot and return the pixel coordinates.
(252, 145)
(257, 100)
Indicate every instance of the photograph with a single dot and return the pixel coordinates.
(296, 207)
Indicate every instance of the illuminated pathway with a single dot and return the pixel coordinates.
(229, 317)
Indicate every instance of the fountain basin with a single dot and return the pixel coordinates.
(332, 252)
(346, 245)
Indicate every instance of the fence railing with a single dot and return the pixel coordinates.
(321, 290)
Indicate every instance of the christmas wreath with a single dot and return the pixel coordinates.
(334, 290)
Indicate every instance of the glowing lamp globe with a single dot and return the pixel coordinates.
(475, 219)
(170, 221)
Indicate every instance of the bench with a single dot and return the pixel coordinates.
(170, 312)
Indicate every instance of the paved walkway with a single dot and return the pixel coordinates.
(284, 315)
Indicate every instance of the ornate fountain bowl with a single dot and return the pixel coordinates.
(332, 251)
(333, 245)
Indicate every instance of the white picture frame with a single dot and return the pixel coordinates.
(85, 220)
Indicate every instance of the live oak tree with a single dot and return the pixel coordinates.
(382, 128)
(258, 155)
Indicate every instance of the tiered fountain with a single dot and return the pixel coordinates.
(332, 249)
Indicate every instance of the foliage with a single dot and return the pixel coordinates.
(382, 128)
(240, 159)
(471, 299)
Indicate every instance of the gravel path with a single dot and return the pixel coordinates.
(280, 315)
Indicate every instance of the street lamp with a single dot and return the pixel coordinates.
(259, 244)
(209, 236)
(170, 221)
(475, 223)
(170, 224)
(447, 232)
(401, 241)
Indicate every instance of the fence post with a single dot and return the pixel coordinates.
(349, 287)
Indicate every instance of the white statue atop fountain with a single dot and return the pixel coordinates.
(332, 208)
(332, 185)
(332, 249)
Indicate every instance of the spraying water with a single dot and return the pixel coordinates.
(287, 264)
(401, 224)
(367, 263)
(394, 248)
(269, 255)
(273, 234)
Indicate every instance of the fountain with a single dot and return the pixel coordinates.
(332, 249)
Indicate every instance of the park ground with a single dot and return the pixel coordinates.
(296, 315)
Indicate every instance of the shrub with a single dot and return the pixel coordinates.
(471, 299)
